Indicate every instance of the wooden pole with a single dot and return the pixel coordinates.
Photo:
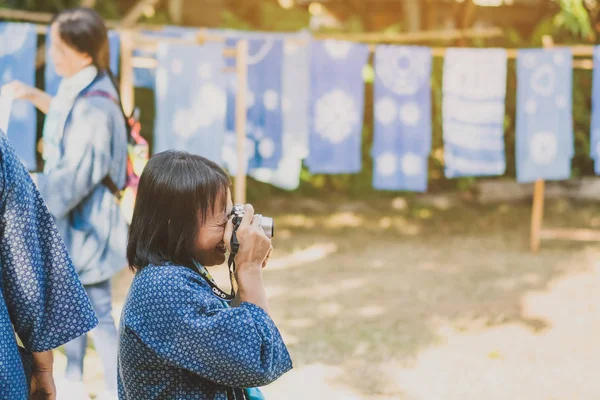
(127, 90)
(136, 12)
(240, 120)
(537, 211)
(537, 215)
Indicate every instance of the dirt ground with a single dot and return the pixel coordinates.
(396, 299)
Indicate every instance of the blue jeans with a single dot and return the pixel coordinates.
(105, 339)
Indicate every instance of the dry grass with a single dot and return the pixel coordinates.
(391, 300)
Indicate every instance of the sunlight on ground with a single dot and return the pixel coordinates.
(371, 315)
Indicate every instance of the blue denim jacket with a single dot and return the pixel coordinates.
(93, 143)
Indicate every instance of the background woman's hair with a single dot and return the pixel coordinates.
(84, 30)
(175, 189)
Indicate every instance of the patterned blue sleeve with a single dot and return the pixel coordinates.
(183, 323)
(47, 304)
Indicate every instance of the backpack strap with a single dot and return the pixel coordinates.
(102, 93)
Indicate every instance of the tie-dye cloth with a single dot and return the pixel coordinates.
(402, 126)
(337, 105)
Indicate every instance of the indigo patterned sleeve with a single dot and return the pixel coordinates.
(86, 161)
(47, 304)
(186, 325)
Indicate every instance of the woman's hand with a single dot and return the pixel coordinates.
(18, 90)
(252, 256)
(255, 247)
(42, 382)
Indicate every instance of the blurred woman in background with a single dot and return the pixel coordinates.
(84, 151)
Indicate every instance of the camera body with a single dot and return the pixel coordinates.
(266, 223)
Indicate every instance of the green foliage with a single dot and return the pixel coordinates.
(574, 18)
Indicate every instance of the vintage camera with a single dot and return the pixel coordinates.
(266, 223)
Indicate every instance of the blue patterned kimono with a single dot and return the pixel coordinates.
(41, 297)
(178, 341)
(85, 140)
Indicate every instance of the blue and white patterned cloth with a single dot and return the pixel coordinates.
(178, 341)
(295, 88)
(337, 105)
(595, 122)
(264, 122)
(145, 77)
(191, 99)
(41, 295)
(474, 92)
(544, 129)
(18, 46)
(52, 80)
(402, 131)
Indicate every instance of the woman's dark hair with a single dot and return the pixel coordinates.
(174, 190)
(84, 30)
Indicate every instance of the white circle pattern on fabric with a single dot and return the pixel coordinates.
(266, 148)
(271, 100)
(531, 107)
(402, 71)
(411, 164)
(543, 80)
(410, 113)
(543, 148)
(338, 49)
(386, 164)
(386, 110)
(336, 116)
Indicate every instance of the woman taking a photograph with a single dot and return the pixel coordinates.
(178, 340)
(85, 141)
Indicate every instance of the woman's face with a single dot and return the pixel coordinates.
(209, 248)
(67, 61)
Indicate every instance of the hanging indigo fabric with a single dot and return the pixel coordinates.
(474, 92)
(544, 129)
(402, 110)
(595, 117)
(18, 46)
(190, 99)
(294, 103)
(337, 105)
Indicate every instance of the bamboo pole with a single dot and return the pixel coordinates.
(136, 12)
(126, 88)
(411, 37)
(537, 210)
(240, 120)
